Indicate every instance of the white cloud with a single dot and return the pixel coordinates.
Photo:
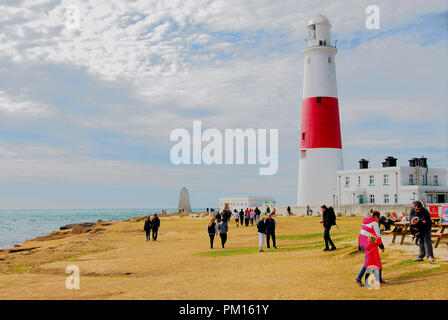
(229, 63)
(134, 39)
(21, 108)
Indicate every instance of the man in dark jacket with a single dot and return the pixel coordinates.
(147, 228)
(241, 217)
(327, 221)
(155, 227)
(218, 217)
(270, 231)
(424, 231)
(226, 214)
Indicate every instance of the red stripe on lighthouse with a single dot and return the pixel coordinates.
(320, 123)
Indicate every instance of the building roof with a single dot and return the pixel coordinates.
(319, 19)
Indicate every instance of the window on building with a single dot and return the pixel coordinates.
(424, 182)
(359, 180)
(303, 135)
(386, 179)
(396, 198)
(436, 180)
(372, 198)
(371, 180)
(308, 60)
(318, 99)
(329, 59)
(386, 198)
(411, 179)
(347, 181)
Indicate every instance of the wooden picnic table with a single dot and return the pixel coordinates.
(404, 226)
(439, 234)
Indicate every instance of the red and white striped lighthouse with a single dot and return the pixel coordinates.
(320, 136)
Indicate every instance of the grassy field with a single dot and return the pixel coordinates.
(116, 262)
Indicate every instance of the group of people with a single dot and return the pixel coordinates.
(369, 240)
(152, 224)
(243, 217)
(246, 217)
(265, 226)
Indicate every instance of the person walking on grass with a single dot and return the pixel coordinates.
(147, 228)
(257, 214)
(289, 210)
(212, 229)
(241, 217)
(309, 212)
(223, 228)
(246, 218)
(226, 213)
(251, 217)
(422, 215)
(218, 217)
(270, 231)
(261, 228)
(155, 227)
(370, 229)
(237, 218)
(328, 220)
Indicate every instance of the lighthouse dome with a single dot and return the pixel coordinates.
(319, 19)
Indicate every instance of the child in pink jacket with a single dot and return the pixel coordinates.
(373, 259)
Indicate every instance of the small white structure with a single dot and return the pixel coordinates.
(391, 184)
(239, 203)
(320, 135)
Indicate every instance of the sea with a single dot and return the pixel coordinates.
(16, 226)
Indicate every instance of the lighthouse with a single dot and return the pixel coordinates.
(320, 135)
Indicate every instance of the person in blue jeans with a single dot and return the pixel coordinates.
(370, 227)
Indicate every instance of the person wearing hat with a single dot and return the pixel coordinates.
(270, 231)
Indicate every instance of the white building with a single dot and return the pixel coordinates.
(392, 184)
(246, 202)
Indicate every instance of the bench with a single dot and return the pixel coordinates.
(404, 226)
(440, 234)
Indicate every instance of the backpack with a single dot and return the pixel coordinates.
(332, 216)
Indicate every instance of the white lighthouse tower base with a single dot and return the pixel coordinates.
(317, 179)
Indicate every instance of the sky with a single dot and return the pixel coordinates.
(86, 114)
